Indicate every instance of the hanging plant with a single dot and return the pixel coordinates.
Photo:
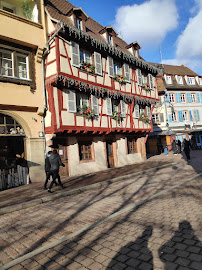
(146, 87)
(144, 118)
(87, 112)
(117, 116)
(87, 66)
(119, 78)
(27, 10)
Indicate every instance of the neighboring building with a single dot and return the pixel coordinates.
(21, 88)
(90, 68)
(179, 112)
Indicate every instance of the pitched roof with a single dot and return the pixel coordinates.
(176, 70)
(58, 9)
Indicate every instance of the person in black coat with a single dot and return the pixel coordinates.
(174, 147)
(179, 147)
(187, 147)
(47, 169)
(55, 162)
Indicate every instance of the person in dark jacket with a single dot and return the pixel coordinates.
(174, 147)
(165, 148)
(47, 169)
(55, 162)
(179, 147)
(187, 147)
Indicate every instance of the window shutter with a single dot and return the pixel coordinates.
(98, 63)
(196, 115)
(109, 106)
(201, 96)
(137, 111)
(139, 77)
(189, 97)
(167, 97)
(151, 85)
(190, 116)
(148, 112)
(169, 118)
(94, 104)
(180, 116)
(75, 54)
(71, 101)
(198, 98)
(161, 117)
(110, 66)
(127, 72)
(123, 108)
(178, 97)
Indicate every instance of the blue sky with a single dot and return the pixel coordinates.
(175, 26)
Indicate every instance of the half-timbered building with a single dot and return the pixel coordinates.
(100, 92)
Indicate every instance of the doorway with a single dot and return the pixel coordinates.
(61, 145)
(110, 154)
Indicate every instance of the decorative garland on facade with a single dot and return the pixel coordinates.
(99, 91)
(79, 34)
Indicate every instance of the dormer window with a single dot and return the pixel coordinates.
(168, 79)
(179, 80)
(110, 40)
(200, 81)
(191, 80)
(79, 24)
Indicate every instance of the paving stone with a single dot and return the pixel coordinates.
(182, 261)
(196, 265)
(194, 249)
(195, 257)
(182, 253)
(145, 266)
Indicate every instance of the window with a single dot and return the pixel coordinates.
(110, 39)
(173, 117)
(155, 118)
(8, 9)
(179, 80)
(13, 64)
(132, 145)
(168, 79)
(182, 97)
(193, 98)
(144, 78)
(9, 126)
(81, 100)
(191, 80)
(117, 69)
(85, 56)
(115, 105)
(171, 97)
(85, 150)
(196, 115)
(200, 81)
(79, 24)
(185, 115)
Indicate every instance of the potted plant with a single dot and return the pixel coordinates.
(117, 116)
(87, 66)
(87, 112)
(144, 118)
(146, 87)
(121, 79)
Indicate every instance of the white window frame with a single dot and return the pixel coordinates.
(79, 25)
(12, 61)
(193, 98)
(27, 66)
(180, 80)
(185, 115)
(191, 80)
(81, 97)
(116, 70)
(155, 118)
(172, 97)
(183, 97)
(169, 79)
(84, 54)
(110, 39)
(200, 81)
(174, 116)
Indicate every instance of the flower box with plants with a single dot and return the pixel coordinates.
(119, 78)
(117, 116)
(87, 112)
(88, 67)
(144, 118)
(146, 87)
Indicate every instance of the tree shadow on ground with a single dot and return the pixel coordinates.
(183, 249)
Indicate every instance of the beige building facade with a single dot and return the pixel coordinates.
(22, 41)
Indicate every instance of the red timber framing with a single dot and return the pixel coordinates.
(130, 123)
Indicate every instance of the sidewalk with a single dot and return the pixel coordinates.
(33, 194)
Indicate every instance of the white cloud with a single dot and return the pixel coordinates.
(147, 23)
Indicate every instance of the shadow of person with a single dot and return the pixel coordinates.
(183, 250)
(135, 255)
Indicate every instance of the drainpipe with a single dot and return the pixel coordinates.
(61, 27)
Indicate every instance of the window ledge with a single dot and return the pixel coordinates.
(89, 73)
(15, 80)
(16, 17)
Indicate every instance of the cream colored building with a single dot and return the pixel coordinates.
(22, 39)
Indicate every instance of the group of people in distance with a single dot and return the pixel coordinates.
(52, 165)
(177, 147)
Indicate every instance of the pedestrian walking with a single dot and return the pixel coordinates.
(187, 147)
(47, 169)
(179, 146)
(165, 148)
(55, 162)
(174, 147)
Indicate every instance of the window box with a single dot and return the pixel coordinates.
(117, 116)
(121, 79)
(146, 87)
(87, 112)
(144, 118)
(88, 67)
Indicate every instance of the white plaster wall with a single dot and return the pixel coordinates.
(67, 118)
(64, 65)
(51, 69)
(55, 95)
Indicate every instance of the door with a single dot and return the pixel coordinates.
(62, 151)
(110, 156)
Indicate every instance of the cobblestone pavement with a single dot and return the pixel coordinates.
(167, 227)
